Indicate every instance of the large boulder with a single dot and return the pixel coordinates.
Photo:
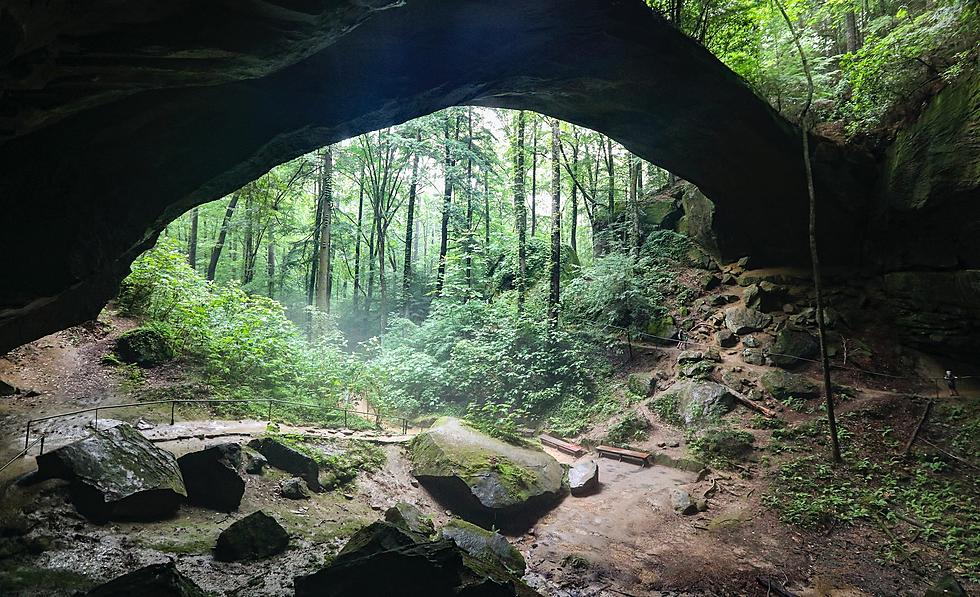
(583, 478)
(410, 518)
(145, 347)
(292, 461)
(488, 546)
(155, 580)
(384, 559)
(791, 347)
(695, 401)
(743, 321)
(256, 536)
(211, 477)
(484, 478)
(783, 385)
(117, 474)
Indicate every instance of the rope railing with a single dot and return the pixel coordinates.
(378, 417)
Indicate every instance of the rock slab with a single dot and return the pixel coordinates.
(254, 537)
(117, 474)
(487, 546)
(743, 321)
(155, 580)
(211, 477)
(292, 461)
(698, 401)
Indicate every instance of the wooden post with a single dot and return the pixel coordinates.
(27, 437)
(42, 446)
(345, 417)
(270, 411)
(172, 405)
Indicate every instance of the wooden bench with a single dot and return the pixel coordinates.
(619, 453)
(562, 445)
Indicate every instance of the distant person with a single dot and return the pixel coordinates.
(951, 382)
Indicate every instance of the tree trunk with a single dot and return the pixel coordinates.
(486, 227)
(573, 232)
(553, 295)
(520, 215)
(534, 175)
(446, 205)
(357, 240)
(192, 241)
(851, 31)
(634, 229)
(271, 262)
(324, 266)
(410, 229)
(225, 223)
(469, 200)
(372, 251)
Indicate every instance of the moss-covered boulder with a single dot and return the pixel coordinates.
(410, 518)
(691, 402)
(117, 474)
(254, 537)
(155, 580)
(742, 321)
(632, 427)
(488, 546)
(791, 347)
(292, 461)
(483, 478)
(145, 347)
(783, 385)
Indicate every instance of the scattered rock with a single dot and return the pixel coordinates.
(293, 489)
(696, 401)
(483, 476)
(486, 546)
(641, 384)
(947, 586)
(743, 321)
(211, 477)
(583, 478)
(255, 463)
(791, 346)
(697, 370)
(155, 580)
(409, 517)
(663, 330)
(681, 502)
(256, 536)
(726, 339)
(750, 342)
(7, 389)
(145, 347)
(726, 443)
(753, 356)
(782, 385)
(292, 461)
(117, 474)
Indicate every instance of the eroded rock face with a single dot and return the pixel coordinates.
(698, 401)
(123, 94)
(285, 458)
(410, 518)
(792, 346)
(256, 536)
(743, 321)
(783, 385)
(485, 478)
(488, 546)
(152, 580)
(117, 474)
(211, 477)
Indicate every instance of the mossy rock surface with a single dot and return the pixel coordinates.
(145, 347)
(691, 402)
(256, 536)
(783, 385)
(152, 580)
(792, 346)
(481, 474)
(488, 546)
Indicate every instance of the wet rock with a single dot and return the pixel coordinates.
(743, 321)
(484, 477)
(211, 477)
(791, 346)
(254, 537)
(583, 478)
(681, 502)
(155, 580)
(697, 401)
(484, 545)
(117, 474)
(378, 537)
(410, 518)
(782, 385)
(145, 347)
(292, 461)
(293, 489)
(726, 339)
(255, 463)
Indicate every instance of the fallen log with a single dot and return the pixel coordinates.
(918, 427)
(744, 401)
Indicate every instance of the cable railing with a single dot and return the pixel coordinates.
(403, 423)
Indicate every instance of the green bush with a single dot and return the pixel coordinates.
(631, 428)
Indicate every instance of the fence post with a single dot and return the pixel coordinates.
(172, 405)
(345, 417)
(270, 411)
(96, 419)
(42, 446)
(27, 437)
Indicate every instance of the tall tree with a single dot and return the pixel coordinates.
(410, 224)
(573, 228)
(634, 205)
(358, 235)
(324, 266)
(220, 243)
(553, 295)
(534, 175)
(520, 213)
(192, 240)
(469, 199)
(447, 198)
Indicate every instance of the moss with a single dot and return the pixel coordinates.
(632, 427)
(667, 405)
(337, 470)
